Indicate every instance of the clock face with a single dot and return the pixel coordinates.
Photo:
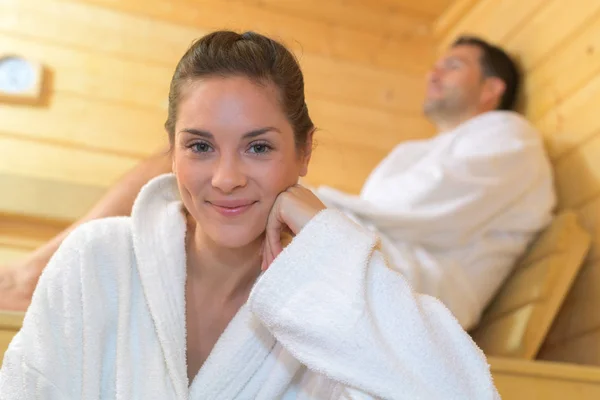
(17, 75)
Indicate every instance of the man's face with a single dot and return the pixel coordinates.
(455, 83)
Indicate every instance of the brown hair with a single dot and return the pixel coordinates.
(257, 57)
(497, 63)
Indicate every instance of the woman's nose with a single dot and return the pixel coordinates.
(228, 174)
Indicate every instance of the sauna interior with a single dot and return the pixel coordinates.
(104, 68)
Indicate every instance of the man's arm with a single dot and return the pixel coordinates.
(18, 281)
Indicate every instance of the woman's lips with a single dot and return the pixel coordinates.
(231, 208)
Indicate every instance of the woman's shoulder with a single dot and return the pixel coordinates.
(103, 242)
(89, 263)
(103, 232)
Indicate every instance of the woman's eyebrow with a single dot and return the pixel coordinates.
(252, 134)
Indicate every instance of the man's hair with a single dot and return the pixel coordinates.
(495, 62)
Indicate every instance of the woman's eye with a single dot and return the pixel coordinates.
(201, 147)
(260, 148)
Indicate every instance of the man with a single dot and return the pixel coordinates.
(453, 212)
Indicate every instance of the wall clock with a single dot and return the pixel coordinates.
(21, 80)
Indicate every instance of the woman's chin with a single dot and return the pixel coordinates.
(236, 239)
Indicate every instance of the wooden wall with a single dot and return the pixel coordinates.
(109, 63)
(558, 45)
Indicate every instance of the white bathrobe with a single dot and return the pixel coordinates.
(327, 320)
(455, 212)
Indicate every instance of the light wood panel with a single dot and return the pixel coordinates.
(578, 175)
(568, 323)
(301, 34)
(570, 68)
(535, 380)
(478, 22)
(557, 44)
(9, 254)
(451, 16)
(55, 202)
(536, 39)
(432, 8)
(27, 233)
(572, 121)
(590, 217)
(356, 14)
(581, 349)
(80, 67)
(516, 322)
(59, 163)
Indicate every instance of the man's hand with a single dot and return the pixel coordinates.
(17, 283)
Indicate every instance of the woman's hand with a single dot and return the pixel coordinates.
(291, 211)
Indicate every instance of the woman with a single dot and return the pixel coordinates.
(193, 297)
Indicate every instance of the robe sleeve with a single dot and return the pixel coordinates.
(443, 202)
(333, 303)
(43, 361)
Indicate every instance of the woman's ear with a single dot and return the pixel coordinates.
(306, 153)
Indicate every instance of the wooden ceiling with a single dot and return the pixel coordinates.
(390, 17)
(428, 9)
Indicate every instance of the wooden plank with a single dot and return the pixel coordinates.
(110, 77)
(572, 122)
(583, 350)
(430, 8)
(544, 370)
(339, 81)
(11, 320)
(159, 20)
(579, 313)
(354, 14)
(590, 219)
(527, 285)
(518, 319)
(63, 164)
(556, 238)
(86, 123)
(577, 175)
(452, 16)
(341, 166)
(96, 29)
(536, 380)
(22, 232)
(569, 68)
(36, 209)
(10, 255)
(370, 129)
(57, 202)
(538, 38)
(506, 336)
(488, 19)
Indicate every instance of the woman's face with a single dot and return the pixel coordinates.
(233, 153)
